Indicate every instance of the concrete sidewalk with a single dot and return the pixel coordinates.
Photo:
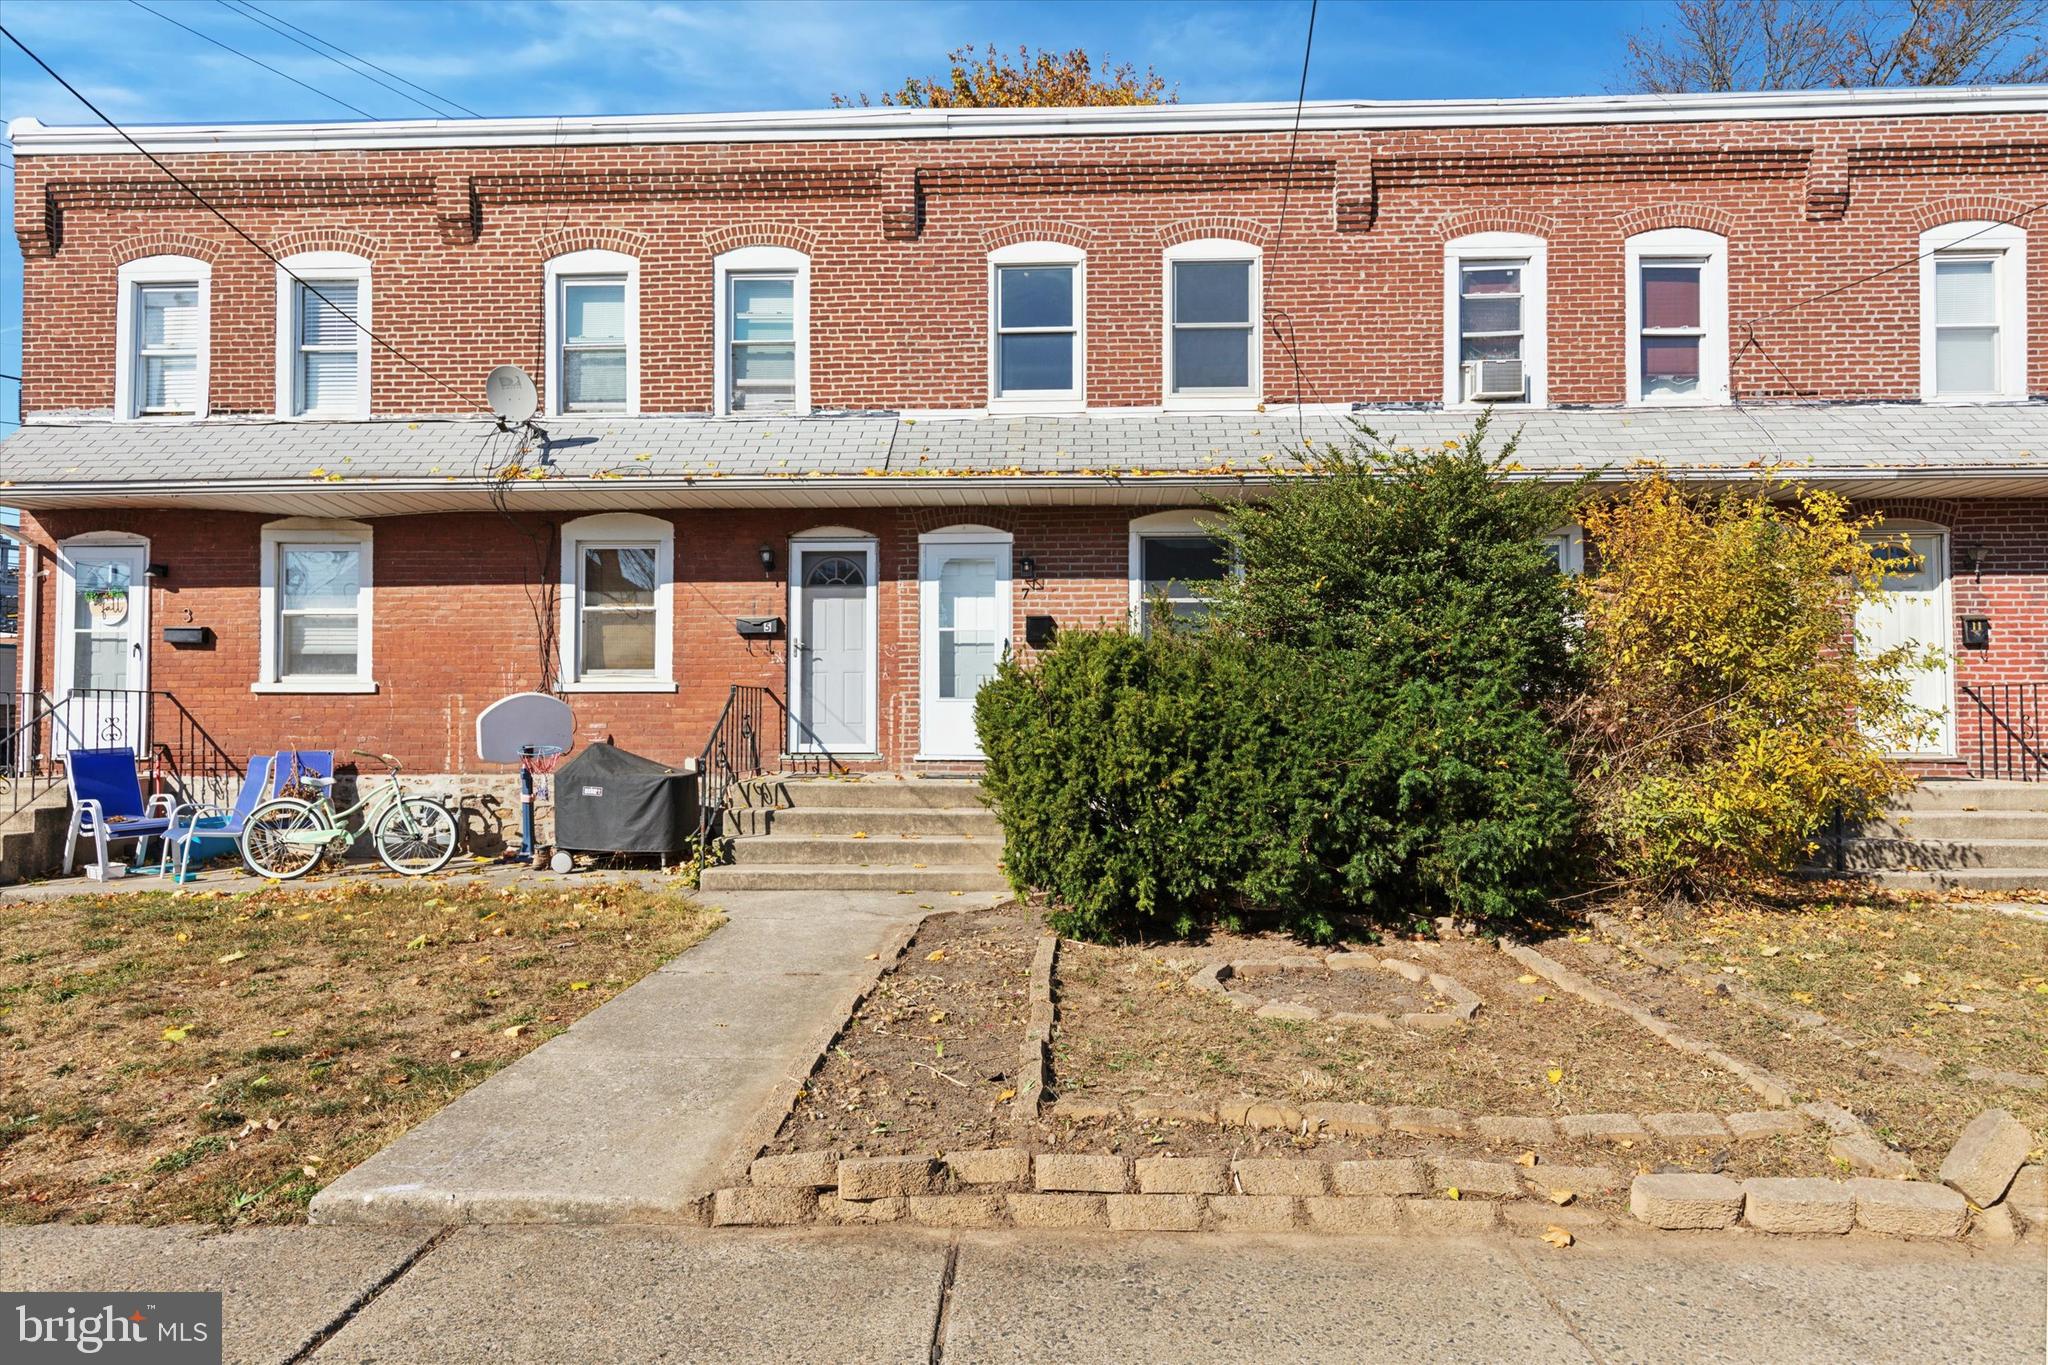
(629, 1115)
(492, 1295)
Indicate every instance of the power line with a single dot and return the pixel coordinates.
(1289, 338)
(232, 225)
(278, 25)
(247, 58)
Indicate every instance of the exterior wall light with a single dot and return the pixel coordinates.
(768, 559)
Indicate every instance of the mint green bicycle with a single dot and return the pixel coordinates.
(286, 837)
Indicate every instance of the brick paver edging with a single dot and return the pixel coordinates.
(1215, 979)
(1895, 1055)
(1009, 1187)
(1034, 1063)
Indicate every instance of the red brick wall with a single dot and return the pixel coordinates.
(454, 623)
(457, 238)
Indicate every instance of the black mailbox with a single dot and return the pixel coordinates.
(757, 627)
(189, 637)
(1040, 631)
(1976, 632)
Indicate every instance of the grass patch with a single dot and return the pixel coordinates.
(220, 1057)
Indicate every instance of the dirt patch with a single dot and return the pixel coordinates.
(220, 1057)
(1128, 1029)
(929, 1060)
(1370, 991)
(1920, 1115)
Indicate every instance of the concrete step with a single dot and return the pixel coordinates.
(1909, 855)
(1957, 794)
(812, 821)
(1960, 826)
(935, 850)
(886, 793)
(1958, 879)
(811, 877)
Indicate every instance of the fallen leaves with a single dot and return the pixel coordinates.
(176, 1034)
(235, 956)
(1557, 1236)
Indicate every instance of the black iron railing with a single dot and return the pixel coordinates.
(173, 751)
(2011, 743)
(747, 741)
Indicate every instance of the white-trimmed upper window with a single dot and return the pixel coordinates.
(1212, 323)
(764, 331)
(1496, 311)
(315, 591)
(1677, 316)
(323, 341)
(162, 326)
(593, 333)
(1973, 312)
(618, 607)
(1176, 558)
(1037, 327)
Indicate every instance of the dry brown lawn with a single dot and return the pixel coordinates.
(220, 1057)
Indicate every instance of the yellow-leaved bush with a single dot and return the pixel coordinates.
(1730, 711)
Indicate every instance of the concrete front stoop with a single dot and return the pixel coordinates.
(884, 832)
(32, 838)
(1954, 834)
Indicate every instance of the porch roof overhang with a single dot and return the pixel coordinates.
(401, 468)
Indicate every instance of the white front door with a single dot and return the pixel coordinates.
(832, 670)
(102, 648)
(964, 592)
(1914, 610)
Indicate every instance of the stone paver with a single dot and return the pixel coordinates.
(1155, 1212)
(1542, 1179)
(1252, 1212)
(1757, 1125)
(996, 1166)
(957, 1210)
(1527, 1132)
(762, 1206)
(2028, 1195)
(1397, 1175)
(1347, 1120)
(1703, 1127)
(635, 1111)
(1908, 1208)
(1421, 1121)
(1278, 1175)
(1058, 1211)
(1604, 1127)
(1079, 1173)
(1476, 1177)
(877, 1177)
(1986, 1157)
(1867, 1156)
(814, 1170)
(1367, 1214)
(1798, 1205)
(1182, 1174)
(1685, 1201)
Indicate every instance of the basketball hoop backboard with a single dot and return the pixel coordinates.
(522, 722)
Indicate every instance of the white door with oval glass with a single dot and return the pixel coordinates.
(832, 647)
(964, 593)
(1914, 610)
(102, 661)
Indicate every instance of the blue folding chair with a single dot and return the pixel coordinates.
(107, 805)
(199, 831)
(302, 767)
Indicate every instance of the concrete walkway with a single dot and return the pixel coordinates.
(631, 1114)
(492, 1295)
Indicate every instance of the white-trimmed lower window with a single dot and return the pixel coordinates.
(316, 598)
(1496, 313)
(1677, 316)
(1973, 312)
(323, 339)
(162, 327)
(617, 595)
(1212, 324)
(1568, 548)
(1176, 560)
(764, 317)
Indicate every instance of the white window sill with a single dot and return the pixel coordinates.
(1219, 402)
(313, 686)
(1472, 405)
(620, 685)
(1972, 400)
(322, 417)
(1712, 400)
(1067, 405)
(949, 758)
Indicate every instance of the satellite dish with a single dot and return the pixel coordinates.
(510, 393)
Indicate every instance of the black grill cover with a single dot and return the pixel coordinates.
(610, 801)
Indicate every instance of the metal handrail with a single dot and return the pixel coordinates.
(737, 747)
(2010, 738)
(178, 754)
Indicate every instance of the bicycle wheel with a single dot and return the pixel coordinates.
(415, 836)
(266, 851)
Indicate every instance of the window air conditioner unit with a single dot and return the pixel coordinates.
(1493, 379)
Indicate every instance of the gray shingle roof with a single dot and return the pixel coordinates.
(47, 456)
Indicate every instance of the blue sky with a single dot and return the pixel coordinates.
(616, 57)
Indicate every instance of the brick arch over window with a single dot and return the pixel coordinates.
(1656, 217)
(925, 519)
(1969, 207)
(1195, 229)
(762, 234)
(325, 239)
(562, 241)
(167, 244)
(1933, 511)
(1469, 221)
(1037, 230)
